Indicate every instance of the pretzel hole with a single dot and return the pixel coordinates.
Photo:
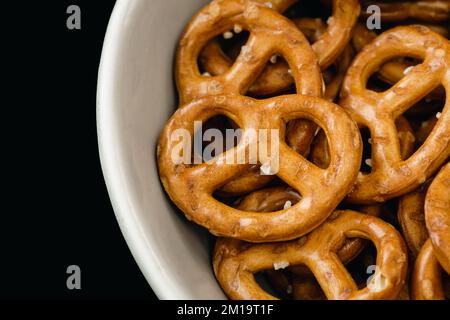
(320, 151)
(423, 117)
(366, 163)
(291, 286)
(363, 267)
(428, 106)
(391, 72)
(275, 197)
(265, 284)
(214, 137)
(221, 52)
(300, 134)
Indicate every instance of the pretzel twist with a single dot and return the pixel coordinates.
(393, 71)
(437, 216)
(430, 11)
(391, 176)
(275, 79)
(270, 33)
(191, 188)
(235, 262)
(426, 279)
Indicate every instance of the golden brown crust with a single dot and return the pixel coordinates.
(275, 79)
(391, 176)
(269, 33)
(191, 188)
(426, 279)
(437, 216)
(235, 262)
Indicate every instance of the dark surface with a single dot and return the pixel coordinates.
(59, 212)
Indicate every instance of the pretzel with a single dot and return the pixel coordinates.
(390, 72)
(391, 176)
(437, 216)
(235, 262)
(431, 11)
(276, 79)
(191, 188)
(426, 280)
(270, 33)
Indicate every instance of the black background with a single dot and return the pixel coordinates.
(56, 207)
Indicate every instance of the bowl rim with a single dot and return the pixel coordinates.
(150, 266)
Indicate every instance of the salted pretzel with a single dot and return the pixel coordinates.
(270, 33)
(191, 187)
(391, 176)
(426, 279)
(390, 72)
(430, 11)
(276, 77)
(235, 262)
(437, 216)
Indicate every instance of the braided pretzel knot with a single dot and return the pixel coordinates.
(437, 216)
(270, 33)
(235, 262)
(392, 71)
(191, 188)
(391, 176)
(276, 78)
(426, 278)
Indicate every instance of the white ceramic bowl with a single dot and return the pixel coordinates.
(136, 96)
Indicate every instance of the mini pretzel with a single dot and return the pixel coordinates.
(191, 188)
(437, 216)
(391, 176)
(235, 262)
(426, 280)
(273, 199)
(264, 41)
(270, 33)
(275, 78)
(431, 11)
(411, 217)
(392, 71)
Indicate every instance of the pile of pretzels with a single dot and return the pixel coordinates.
(360, 205)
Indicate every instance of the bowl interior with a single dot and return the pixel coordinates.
(136, 96)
